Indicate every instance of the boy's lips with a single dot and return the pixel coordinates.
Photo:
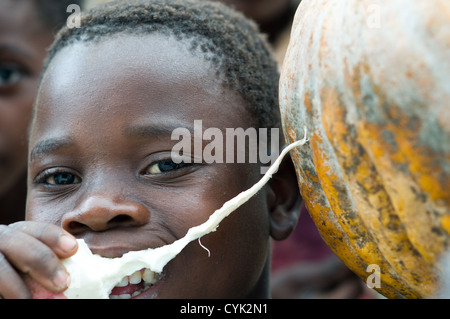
(134, 285)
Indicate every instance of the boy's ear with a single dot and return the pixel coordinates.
(284, 200)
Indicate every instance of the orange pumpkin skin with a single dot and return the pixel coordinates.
(370, 80)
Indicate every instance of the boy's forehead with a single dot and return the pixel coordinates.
(157, 72)
(123, 55)
(122, 63)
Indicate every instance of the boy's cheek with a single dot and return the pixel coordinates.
(36, 211)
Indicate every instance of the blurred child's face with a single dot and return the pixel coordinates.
(262, 11)
(101, 163)
(23, 40)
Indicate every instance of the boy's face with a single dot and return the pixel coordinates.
(23, 41)
(100, 163)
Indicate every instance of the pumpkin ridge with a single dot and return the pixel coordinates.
(424, 274)
(361, 176)
(337, 133)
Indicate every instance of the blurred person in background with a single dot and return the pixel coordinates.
(27, 28)
(274, 18)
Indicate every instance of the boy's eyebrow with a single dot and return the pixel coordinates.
(48, 146)
(53, 144)
(152, 130)
(13, 50)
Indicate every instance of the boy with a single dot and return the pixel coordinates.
(101, 165)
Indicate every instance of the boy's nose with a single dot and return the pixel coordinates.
(99, 213)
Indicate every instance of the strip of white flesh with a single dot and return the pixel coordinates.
(93, 276)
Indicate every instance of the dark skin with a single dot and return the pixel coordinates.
(105, 113)
(271, 16)
(23, 42)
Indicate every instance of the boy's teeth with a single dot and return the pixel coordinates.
(123, 282)
(135, 278)
(148, 276)
(124, 296)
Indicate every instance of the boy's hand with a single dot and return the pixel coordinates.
(33, 249)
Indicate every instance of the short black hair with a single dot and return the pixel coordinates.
(53, 13)
(230, 41)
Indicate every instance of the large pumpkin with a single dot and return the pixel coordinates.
(370, 80)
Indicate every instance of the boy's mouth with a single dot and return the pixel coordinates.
(135, 284)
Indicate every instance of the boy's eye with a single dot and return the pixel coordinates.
(165, 166)
(10, 76)
(62, 179)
